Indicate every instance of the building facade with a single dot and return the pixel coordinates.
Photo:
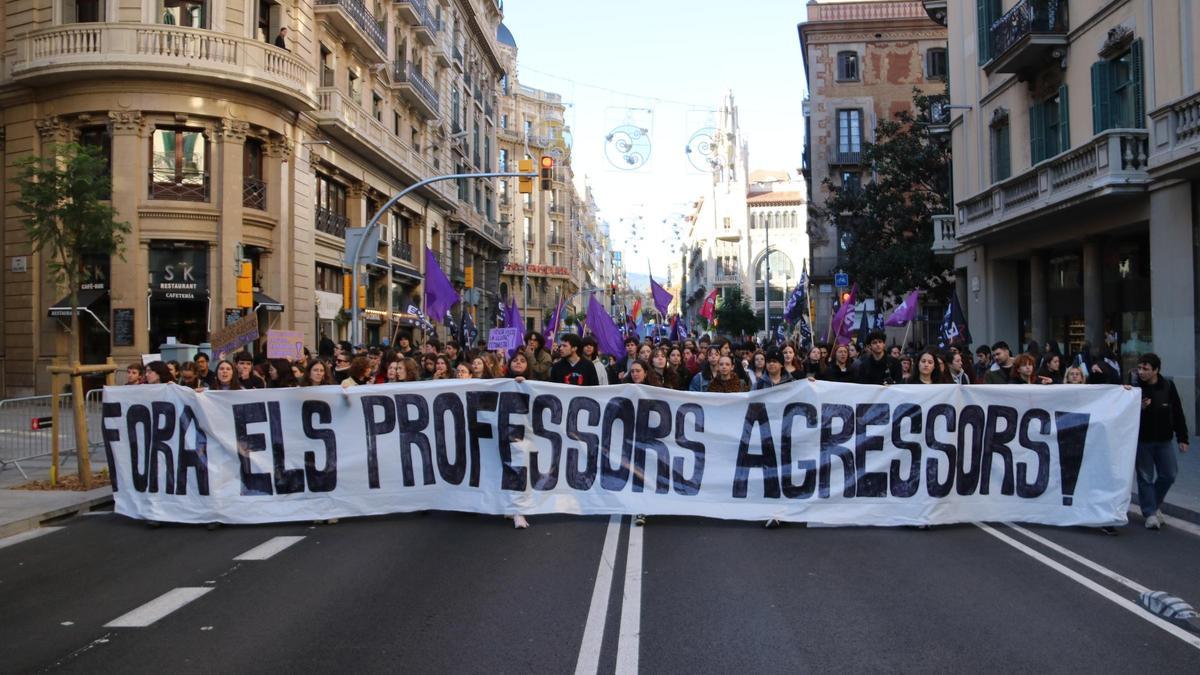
(862, 60)
(1075, 168)
(557, 245)
(229, 141)
(777, 240)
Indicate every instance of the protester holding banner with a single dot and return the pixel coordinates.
(927, 371)
(641, 372)
(841, 366)
(876, 367)
(774, 374)
(443, 368)
(226, 377)
(726, 379)
(518, 367)
(570, 367)
(280, 374)
(187, 375)
(158, 373)
(1000, 371)
(1051, 368)
(539, 358)
(480, 369)
(1022, 371)
(319, 373)
(1074, 375)
(708, 371)
(813, 365)
(958, 374)
(660, 363)
(462, 371)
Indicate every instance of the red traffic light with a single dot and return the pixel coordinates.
(547, 162)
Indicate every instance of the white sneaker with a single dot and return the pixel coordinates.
(519, 522)
(1153, 522)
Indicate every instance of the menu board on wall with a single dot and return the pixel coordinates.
(122, 326)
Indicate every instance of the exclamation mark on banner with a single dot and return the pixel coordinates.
(1072, 436)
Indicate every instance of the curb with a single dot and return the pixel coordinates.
(35, 521)
(1172, 510)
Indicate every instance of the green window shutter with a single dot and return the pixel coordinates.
(1003, 154)
(1101, 97)
(1037, 133)
(1139, 90)
(1064, 120)
(982, 28)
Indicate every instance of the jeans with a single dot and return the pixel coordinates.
(1151, 456)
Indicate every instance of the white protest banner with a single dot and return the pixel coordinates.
(285, 344)
(807, 451)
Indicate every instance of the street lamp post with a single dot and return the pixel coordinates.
(767, 276)
(374, 222)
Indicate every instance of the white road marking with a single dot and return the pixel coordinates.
(157, 608)
(97, 513)
(588, 662)
(26, 536)
(1171, 522)
(1097, 567)
(1103, 592)
(631, 605)
(268, 548)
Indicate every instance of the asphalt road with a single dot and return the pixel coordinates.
(461, 593)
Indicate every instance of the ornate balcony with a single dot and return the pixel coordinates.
(945, 238)
(415, 89)
(1175, 135)
(1025, 36)
(1110, 166)
(353, 21)
(556, 240)
(149, 51)
(402, 250)
(842, 157)
(331, 223)
(343, 119)
(426, 25)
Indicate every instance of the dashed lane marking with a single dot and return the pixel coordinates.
(157, 608)
(269, 548)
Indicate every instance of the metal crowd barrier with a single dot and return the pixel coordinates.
(26, 433)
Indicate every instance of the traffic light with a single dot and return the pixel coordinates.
(469, 277)
(547, 167)
(362, 297)
(346, 291)
(245, 285)
(525, 183)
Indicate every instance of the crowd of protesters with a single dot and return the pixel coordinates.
(714, 365)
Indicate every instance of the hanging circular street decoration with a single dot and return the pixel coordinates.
(702, 150)
(627, 147)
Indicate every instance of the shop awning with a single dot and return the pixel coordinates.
(264, 301)
(410, 275)
(87, 299)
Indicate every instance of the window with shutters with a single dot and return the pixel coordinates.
(986, 13)
(1118, 91)
(1049, 127)
(849, 123)
(935, 64)
(847, 67)
(1000, 147)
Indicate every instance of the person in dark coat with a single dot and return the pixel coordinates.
(1162, 421)
(281, 38)
(876, 367)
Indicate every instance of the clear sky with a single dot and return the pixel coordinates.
(663, 65)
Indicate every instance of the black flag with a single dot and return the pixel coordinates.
(954, 329)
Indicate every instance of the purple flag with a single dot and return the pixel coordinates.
(843, 322)
(552, 328)
(512, 319)
(907, 311)
(440, 295)
(662, 297)
(605, 330)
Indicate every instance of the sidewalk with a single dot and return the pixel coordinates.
(1183, 501)
(22, 510)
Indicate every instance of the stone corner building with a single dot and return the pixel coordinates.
(1074, 136)
(225, 146)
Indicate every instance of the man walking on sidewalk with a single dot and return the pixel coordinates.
(1162, 418)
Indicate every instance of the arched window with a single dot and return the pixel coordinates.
(782, 271)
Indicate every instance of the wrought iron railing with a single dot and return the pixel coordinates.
(363, 19)
(187, 186)
(1026, 18)
(254, 193)
(407, 72)
(331, 223)
(402, 250)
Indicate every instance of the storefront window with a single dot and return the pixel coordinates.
(179, 293)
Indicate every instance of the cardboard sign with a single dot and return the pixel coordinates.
(285, 344)
(229, 338)
(504, 338)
